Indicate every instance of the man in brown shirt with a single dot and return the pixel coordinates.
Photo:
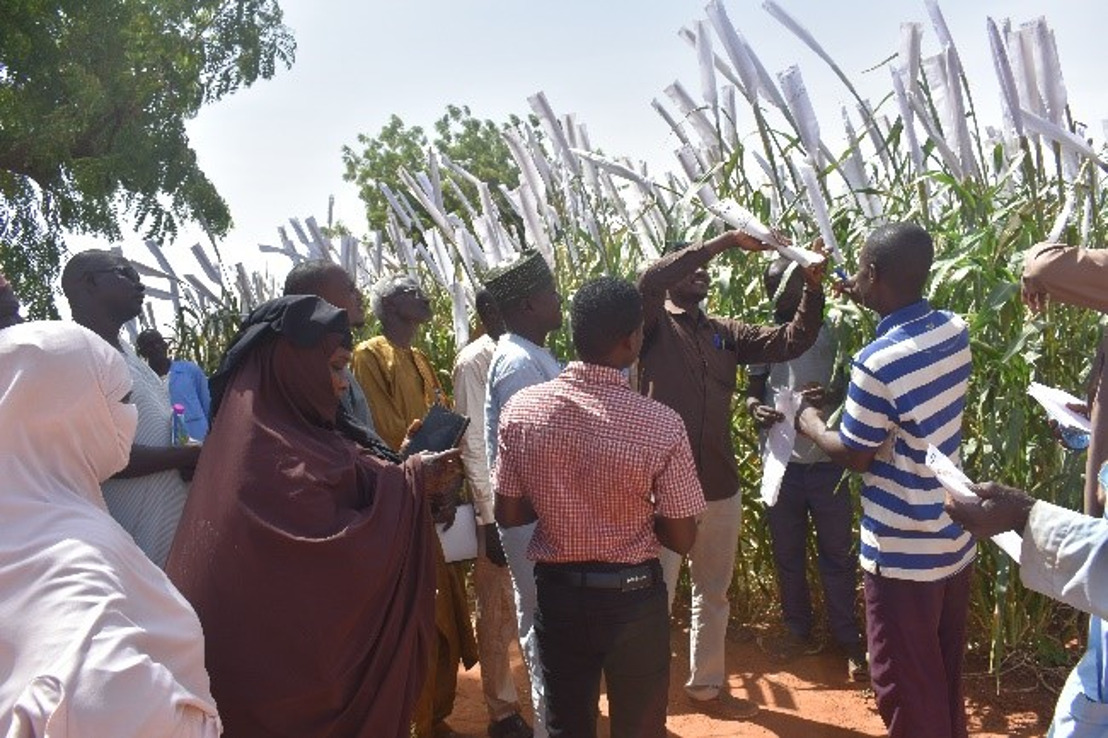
(688, 362)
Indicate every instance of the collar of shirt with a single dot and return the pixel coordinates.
(674, 309)
(524, 343)
(903, 315)
(594, 374)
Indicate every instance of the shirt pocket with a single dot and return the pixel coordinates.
(720, 367)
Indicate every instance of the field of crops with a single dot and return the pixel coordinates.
(920, 153)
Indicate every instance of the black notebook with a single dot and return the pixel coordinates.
(441, 430)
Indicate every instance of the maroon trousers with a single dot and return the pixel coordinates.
(917, 639)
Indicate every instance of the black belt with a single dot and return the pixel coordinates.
(625, 580)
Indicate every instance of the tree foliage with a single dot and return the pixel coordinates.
(474, 144)
(94, 95)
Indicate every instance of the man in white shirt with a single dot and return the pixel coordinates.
(492, 582)
(104, 292)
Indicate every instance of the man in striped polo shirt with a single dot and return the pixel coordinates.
(907, 390)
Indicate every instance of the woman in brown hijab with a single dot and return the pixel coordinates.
(309, 561)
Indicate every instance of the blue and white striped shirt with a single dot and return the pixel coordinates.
(908, 389)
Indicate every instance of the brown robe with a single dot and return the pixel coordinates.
(309, 561)
(401, 386)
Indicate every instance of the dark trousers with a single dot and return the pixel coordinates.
(917, 638)
(584, 632)
(809, 489)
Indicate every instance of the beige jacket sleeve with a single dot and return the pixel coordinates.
(1078, 276)
(1065, 556)
(1069, 274)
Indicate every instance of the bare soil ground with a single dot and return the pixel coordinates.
(809, 697)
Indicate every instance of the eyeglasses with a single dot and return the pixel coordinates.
(123, 270)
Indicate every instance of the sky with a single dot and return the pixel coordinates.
(274, 151)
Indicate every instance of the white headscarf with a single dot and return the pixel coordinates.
(94, 639)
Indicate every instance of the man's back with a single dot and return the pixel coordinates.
(909, 385)
(591, 453)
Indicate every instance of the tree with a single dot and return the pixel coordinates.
(474, 144)
(94, 95)
(395, 145)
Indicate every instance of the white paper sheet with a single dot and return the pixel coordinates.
(958, 484)
(459, 542)
(739, 218)
(1054, 401)
(780, 439)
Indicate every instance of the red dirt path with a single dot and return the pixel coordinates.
(809, 697)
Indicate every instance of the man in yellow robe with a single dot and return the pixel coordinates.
(400, 384)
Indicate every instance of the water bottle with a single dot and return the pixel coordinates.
(1073, 439)
(180, 432)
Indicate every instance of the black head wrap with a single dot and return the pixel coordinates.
(303, 320)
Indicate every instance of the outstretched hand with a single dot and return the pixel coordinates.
(746, 242)
(999, 508)
(848, 288)
(814, 393)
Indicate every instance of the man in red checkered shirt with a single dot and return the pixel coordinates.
(609, 475)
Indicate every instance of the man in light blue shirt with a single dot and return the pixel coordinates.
(188, 385)
(529, 302)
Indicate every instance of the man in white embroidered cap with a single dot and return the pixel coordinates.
(527, 297)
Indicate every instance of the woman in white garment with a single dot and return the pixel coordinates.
(94, 640)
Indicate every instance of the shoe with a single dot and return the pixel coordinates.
(857, 663)
(722, 705)
(513, 726)
(789, 646)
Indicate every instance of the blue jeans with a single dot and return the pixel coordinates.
(809, 489)
(1082, 710)
(515, 541)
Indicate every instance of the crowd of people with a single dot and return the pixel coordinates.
(256, 554)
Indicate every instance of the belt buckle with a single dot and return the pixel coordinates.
(636, 580)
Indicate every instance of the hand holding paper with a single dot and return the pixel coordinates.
(741, 219)
(965, 506)
(998, 510)
(780, 440)
(1057, 404)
